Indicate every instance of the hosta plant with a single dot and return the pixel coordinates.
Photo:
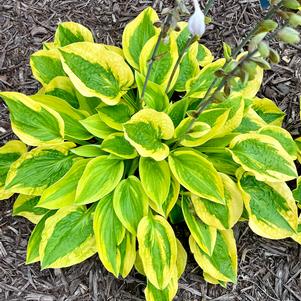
(108, 160)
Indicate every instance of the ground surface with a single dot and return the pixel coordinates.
(268, 270)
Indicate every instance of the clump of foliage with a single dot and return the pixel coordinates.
(119, 151)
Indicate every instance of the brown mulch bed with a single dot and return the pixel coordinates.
(268, 270)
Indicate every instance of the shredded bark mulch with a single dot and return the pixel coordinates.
(268, 270)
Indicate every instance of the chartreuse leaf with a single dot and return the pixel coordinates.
(181, 259)
(271, 207)
(61, 87)
(9, 153)
(180, 263)
(33, 254)
(182, 36)
(218, 143)
(222, 264)
(111, 79)
(5, 194)
(154, 95)
(130, 203)
(251, 87)
(170, 201)
(71, 32)
(48, 45)
(88, 38)
(127, 250)
(204, 55)
(115, 49)
(25, 205)
(251, 122)
(115, 116)
(198, 86)
(206, 127)
(97, 127)
(67, 238)
(212, 280)
(264, 157)
(88, 104)
(268, 111)
(117, 145)
(189, 67)
(32, 122)
(88, 151)
(138, 264)
(236, 105)
(204, 235)
(283, 137)
(167, 294)
(196, 174)
(109, 234)
(46, 65)
(162, 67)
(221, 216)
(100, 177)
(157, 249)
(213, 116)
(73, 128)
(137, 33)
(297, 237)
(145, 131)
(155, 179)
(38, 169)
(62, 193)
(223, 162)
(177, 111)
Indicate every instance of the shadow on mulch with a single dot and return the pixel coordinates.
(268, 270)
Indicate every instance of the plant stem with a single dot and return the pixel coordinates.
(161, 35)
(208, 99)
(151, 62)
(203, 105)
(188, 43)
(269, 14)
(154, 54)
(244, 42)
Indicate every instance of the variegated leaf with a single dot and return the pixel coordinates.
(146, 130)
(67, 238)
(157, 249)
(196, 174)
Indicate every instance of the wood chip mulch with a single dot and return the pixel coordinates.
(268, 270)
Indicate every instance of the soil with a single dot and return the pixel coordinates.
(268, 270)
